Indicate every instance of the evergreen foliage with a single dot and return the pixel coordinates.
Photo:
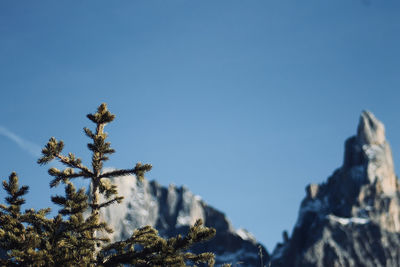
(77, 236)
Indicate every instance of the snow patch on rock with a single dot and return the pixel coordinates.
(346, 221)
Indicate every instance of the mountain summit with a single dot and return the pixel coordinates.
(353, 219)
(171, 210)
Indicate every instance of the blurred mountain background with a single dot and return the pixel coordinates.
(244, 103)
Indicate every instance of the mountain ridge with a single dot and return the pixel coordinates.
(171, 210)
(353, 218)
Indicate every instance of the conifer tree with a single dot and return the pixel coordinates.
(20, 231)
(73, 239)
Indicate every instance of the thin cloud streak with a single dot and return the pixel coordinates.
(35, 151)
(32, 148)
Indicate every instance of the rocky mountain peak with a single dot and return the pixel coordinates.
(171, 210)
(368, 156)
(353, 219)
(370, 130)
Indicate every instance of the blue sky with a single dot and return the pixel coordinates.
(245, 102)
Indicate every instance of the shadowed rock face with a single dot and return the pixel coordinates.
(171, 211)
(354, 218)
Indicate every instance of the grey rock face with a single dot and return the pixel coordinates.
(171, 211)
(370, 129)
(354, 218)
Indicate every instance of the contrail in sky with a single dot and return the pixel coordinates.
(35, 151)
(26, 145)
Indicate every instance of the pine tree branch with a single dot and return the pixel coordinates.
(139, 171)
(107, 203)
(86, 172)
(65, 177)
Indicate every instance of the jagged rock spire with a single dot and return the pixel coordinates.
(353, 219)
(370, 130)
(368, 157)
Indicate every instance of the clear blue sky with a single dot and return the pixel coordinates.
(245, 102)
